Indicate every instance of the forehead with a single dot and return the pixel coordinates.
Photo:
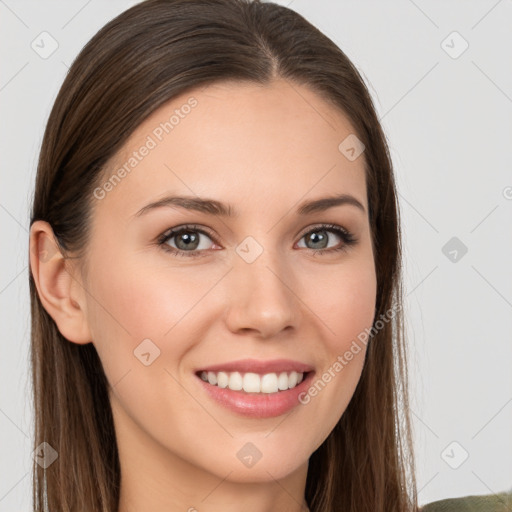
(240, 140)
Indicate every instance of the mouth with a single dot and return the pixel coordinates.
(255, 376)
(256, 396)
(250, 382)
(256, 389)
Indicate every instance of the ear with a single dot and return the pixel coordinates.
(61, 291)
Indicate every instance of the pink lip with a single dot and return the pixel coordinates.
(259, 367)
(258, 405)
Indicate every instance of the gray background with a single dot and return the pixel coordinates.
(448, 118)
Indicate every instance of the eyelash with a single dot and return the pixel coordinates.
(348, 239)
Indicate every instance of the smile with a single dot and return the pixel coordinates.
(256, 389)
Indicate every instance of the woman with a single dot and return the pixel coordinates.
(215, 274)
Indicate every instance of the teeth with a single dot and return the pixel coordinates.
(222, 380)
(282, 381)
(235, 381)
(253, 382)
(269, 383)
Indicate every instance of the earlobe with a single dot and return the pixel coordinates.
(60, 291)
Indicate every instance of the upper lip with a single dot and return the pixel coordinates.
(260, 367)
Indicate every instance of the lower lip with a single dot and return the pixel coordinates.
(257, 405)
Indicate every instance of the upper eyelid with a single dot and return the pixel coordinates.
(187, 227)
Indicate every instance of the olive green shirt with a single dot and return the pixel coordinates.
(489, 503)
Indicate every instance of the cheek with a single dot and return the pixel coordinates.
(140, 301)
(344, 303)
(351, 320)
(130, 304)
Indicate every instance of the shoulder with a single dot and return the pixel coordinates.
(489, 503)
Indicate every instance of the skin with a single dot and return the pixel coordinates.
(264, 150)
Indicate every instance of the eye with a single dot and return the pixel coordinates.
(319, 238)
(188, 240)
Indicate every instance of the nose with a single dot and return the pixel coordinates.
(261, 297)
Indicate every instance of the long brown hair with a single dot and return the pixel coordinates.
(138, 61)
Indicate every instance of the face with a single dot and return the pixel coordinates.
(271, 289)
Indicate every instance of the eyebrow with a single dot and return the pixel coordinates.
(217, 208)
